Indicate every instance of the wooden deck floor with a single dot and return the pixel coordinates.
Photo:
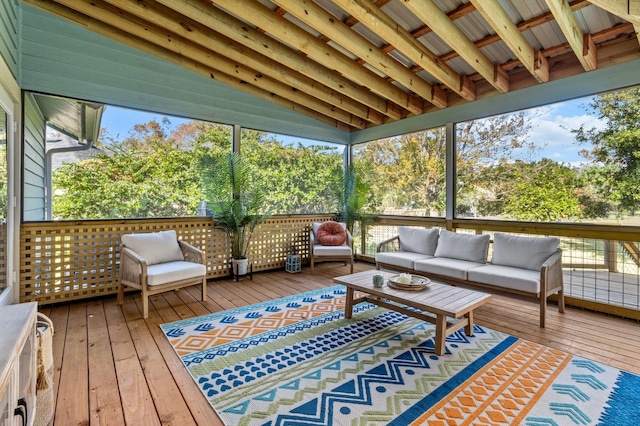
(114, 368)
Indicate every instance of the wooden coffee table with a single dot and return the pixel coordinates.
(442, 300)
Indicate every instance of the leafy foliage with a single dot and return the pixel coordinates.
(149, 174)
(409, 169)
(354, 195)
(544, 193)
(296, 178)
(616, 147)
(236, 201)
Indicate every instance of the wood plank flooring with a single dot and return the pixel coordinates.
(114, 368)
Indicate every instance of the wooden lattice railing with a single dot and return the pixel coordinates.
(61, 261)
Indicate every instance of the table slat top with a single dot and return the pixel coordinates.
(437, 298)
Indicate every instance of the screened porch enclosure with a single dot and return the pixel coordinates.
(105, 60)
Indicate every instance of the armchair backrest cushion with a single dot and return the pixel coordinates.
(316, 225)
(522, 252)
(331, 233)
(418, 240)
(453, 245)
(155, 247)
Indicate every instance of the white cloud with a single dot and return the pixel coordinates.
(551, 128)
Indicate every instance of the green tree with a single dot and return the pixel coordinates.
(297, 178)
(410, 169)
(151, 173)
(543, 192)
(616, 147)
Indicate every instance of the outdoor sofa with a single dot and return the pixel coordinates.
(524, 266)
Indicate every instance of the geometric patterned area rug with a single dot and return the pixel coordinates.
(298, 361)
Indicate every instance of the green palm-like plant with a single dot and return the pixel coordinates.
(353, 196)
(236, 201)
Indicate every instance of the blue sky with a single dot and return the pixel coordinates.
(551, 127)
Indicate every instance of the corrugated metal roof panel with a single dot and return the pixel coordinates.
(369, 35)
(593, 19)
(548, 35)
(402, 16)
(474, 26)
(498, 52)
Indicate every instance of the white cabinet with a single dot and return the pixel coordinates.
(17, 364)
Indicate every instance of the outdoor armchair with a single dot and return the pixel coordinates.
(157, 262)
(321, 252)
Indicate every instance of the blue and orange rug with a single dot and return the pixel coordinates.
(297, 361)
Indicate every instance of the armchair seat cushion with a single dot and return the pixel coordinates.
(320, 250)
(163, 273)
(403, 259)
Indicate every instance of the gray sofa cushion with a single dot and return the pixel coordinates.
(403, 259)
(507, 277)
(454, 268)
(469, 247)
(418, 240)
(522, 252)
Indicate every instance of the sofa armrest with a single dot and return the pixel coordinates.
(191, 253)
(551, 279)
(390, 244)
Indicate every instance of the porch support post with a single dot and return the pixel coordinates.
(450, 174)
(235, 138)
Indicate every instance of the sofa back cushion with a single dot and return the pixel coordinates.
(522, 252)
(155, 247)
(469, 247)
(416, 240)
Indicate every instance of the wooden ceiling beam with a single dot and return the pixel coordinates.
(628, 10)
(322, 21)
(523, 26)
(502, 24)
(272, 57)
(582, 44)
(440, 23)
(153, 49)
(226, 62)
(379, 22)
(260, 15)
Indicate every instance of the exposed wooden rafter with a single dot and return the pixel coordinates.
(532, 59)
(582, 44)
(322, 21)
(376, 20)
(337, 60)
(626, 9)
(440, 23)
(284, 30)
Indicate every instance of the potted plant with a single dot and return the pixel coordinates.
(236, 203)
